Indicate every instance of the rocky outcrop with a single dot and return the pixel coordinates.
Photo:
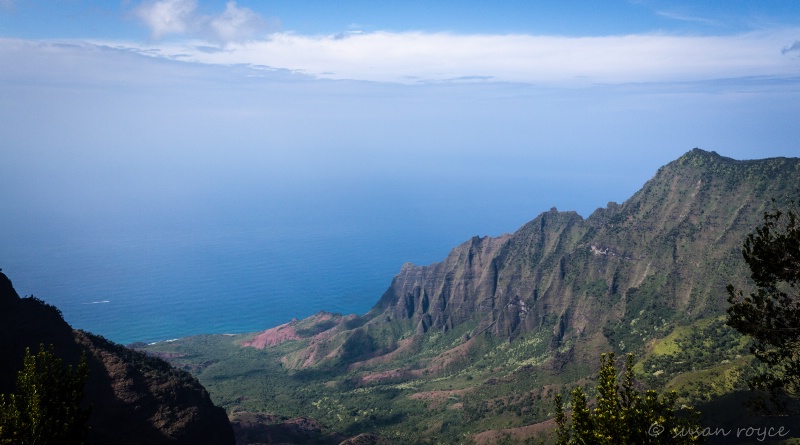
(135, 398)
(273, 336)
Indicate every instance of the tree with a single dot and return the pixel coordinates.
(771, 314)
(623, 415)
(46, 407)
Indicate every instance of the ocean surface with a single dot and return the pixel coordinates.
(156, 286)
(146, 275)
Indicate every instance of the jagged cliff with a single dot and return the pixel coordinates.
(662, 257)
(674, 244)
(135, 398)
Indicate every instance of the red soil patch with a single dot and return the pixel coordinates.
(273, 336)
(287, 331)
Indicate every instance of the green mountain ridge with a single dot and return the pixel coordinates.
(479, 343)
(662, 257)
(679, 236)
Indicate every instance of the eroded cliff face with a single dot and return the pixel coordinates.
(436, 296)
(493, 280)
(135, 398)
(662, 257)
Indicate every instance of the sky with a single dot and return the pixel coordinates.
(543, 43)
(174, 101)
(454, 118)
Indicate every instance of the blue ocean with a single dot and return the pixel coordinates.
(147, 275)
(160, 285)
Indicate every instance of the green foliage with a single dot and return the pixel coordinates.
(703, 345)
(771, 314)
(46, 407)
(647, 316)
(623, 415)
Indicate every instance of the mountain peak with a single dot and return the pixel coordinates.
(698, 157)
(699, 152)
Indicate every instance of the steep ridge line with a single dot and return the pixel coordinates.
(668, 251)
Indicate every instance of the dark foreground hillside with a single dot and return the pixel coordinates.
(135, 398)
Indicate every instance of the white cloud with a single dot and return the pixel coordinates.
(235, 24)
(166, 17)
(412, 57)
